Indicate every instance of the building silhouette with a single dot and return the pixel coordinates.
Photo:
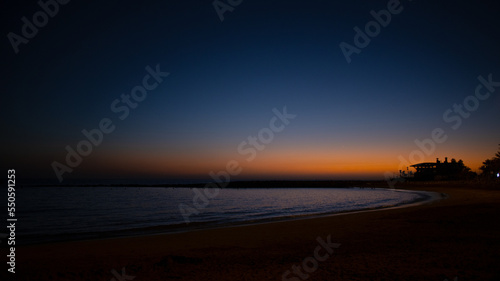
(438, 170)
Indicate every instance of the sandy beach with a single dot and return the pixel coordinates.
(456, 237)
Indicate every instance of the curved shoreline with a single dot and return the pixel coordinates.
(448, 238)
(426, 198)
(431, 197)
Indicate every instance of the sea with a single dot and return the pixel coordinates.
(54, 214)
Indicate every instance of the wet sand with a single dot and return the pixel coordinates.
(456, 237)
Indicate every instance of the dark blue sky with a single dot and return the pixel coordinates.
(353, 119)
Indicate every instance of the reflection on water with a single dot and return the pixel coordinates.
(46, 214)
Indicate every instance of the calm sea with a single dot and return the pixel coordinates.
(48, 214)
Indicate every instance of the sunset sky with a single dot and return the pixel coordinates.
(353, 120)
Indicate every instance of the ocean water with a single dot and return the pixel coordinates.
(47, 214)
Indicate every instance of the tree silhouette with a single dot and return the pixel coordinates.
(491, 167)
(456, 170)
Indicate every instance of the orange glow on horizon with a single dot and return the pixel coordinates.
(283, 162)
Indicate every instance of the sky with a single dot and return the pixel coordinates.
(246, 89)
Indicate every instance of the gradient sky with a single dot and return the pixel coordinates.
(353, 120)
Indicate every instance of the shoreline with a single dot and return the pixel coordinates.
(424, 198)
(431, 198)
(435, 241)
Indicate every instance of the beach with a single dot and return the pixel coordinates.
(455, 237)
